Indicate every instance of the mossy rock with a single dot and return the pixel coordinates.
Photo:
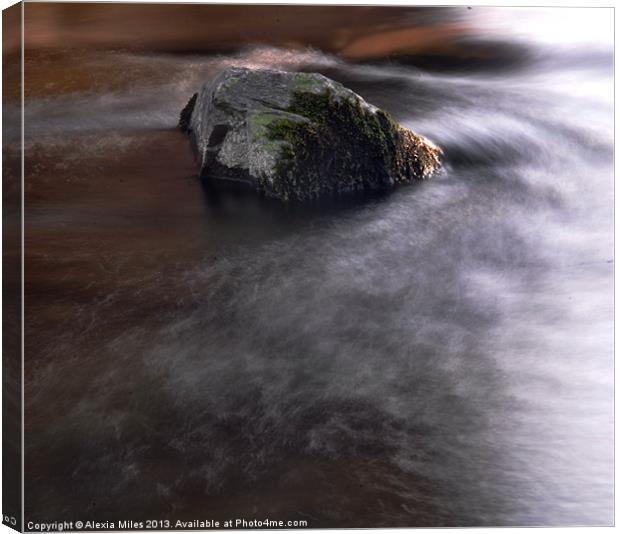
(299, 136)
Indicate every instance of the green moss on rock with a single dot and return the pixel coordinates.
(345, 146)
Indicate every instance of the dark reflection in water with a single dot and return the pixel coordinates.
(437, 356)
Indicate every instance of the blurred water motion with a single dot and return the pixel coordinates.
(438, 356)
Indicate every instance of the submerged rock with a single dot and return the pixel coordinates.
(298, 136)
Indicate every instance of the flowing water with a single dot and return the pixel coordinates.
(440, 355)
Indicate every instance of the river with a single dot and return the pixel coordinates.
(441, 355)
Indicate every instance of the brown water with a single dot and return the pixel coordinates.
(441, 355)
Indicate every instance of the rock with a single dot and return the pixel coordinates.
(298, 136)
(186, 114)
